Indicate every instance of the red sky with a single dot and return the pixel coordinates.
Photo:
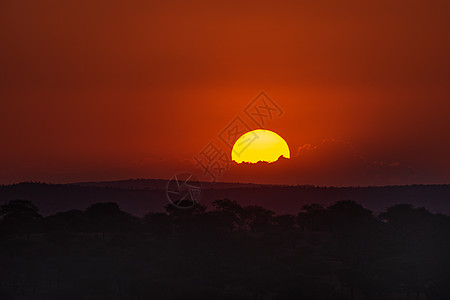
(101, 90)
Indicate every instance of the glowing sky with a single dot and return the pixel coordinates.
(99, 90)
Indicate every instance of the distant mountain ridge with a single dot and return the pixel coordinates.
(140, 196)
(162, 184)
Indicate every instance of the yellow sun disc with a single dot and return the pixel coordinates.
(259, 145)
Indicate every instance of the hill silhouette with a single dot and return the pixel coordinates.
(143, 195)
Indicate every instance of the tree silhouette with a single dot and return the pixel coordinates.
(348, 216)
(19, 217)
(313, 217)
(158, 224)
(232, 211)
(69, 221)
(186, 220)
(107, 217)
(420, 239)
(288, 228)
(408, 221)
(257, 218)
(226, 252)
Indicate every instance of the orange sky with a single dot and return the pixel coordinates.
(100, 90)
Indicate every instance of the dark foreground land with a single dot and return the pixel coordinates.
(228, 251)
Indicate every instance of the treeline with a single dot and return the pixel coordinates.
(343, 251)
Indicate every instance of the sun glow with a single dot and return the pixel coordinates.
(259, 145)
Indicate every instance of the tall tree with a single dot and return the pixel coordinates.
(19, 217)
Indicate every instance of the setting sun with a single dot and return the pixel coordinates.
(259, 145)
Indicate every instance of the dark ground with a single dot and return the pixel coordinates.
(230, 251)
